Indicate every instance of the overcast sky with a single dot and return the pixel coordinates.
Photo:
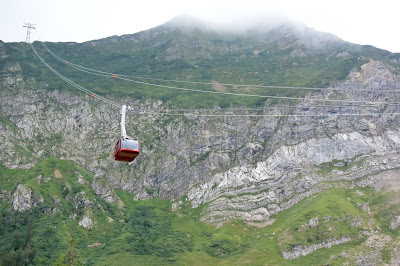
(364, 22)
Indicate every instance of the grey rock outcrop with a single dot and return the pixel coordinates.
(371, 252)
(104, 191)
(80, 201)
(87, 222)
(394, 223)
(314, 222)
(24, 198)
(301, 250)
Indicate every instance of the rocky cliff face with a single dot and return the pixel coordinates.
(24, 199)
(246, 168)
(303, 251)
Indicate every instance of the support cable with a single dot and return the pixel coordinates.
(108, 74)
(114, 104)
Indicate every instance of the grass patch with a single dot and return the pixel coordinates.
(327, 168)
(4, 121)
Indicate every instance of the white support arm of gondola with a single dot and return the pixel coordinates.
(123, 130)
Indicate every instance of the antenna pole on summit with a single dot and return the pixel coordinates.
(28, 32)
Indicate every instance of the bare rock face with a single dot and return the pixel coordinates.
(94, 245)
(371, 252)
(301, 250)
(24, 199)
(49, 211)
(81, 180)
(244, 168)
(374, 72)
(313, 222)
(285, 172)
(105, 191)
(394, 223)
(256, 215)
(80, 201)
(87, 222)
(176, 206)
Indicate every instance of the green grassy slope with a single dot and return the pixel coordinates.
(147, 232)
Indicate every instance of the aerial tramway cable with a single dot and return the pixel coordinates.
(81, 88)
(108, 74)
(92, 94)
(127, 149)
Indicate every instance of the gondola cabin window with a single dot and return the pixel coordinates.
(130, 145)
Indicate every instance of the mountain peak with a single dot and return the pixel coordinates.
(186, 21)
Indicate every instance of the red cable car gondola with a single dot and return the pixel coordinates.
(126, 148)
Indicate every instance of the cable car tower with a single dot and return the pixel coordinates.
(28, 32)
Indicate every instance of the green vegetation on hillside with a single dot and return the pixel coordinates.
(265, 58)
(147, 232)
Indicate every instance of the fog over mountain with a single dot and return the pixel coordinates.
(240, 25)
(261, 23)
